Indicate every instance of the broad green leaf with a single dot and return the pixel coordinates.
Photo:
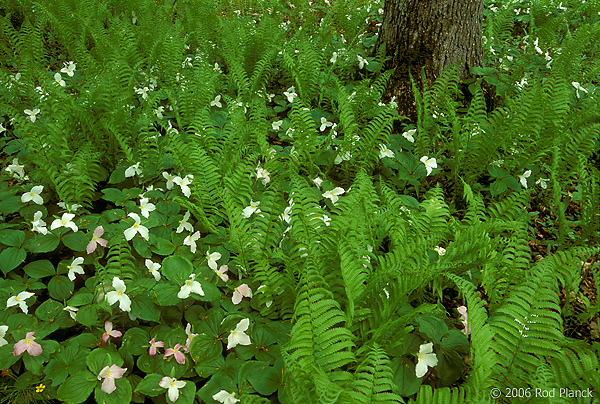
(60, 288)
(13, 238)
(142, 307)
(39, 269)
(433, 327)
(205, 348)
(121, 395)
(135, 339)
(162, 246)
(88, 316)
(49, 310)
(165, 294)
(177, 269)
(77, 388)
(76, 241)
(264, 378)
(11, 258)
(43, 243)
(149, 386)
(100, 358)
(405, 376)
(10, 203)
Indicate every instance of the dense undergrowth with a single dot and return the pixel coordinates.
(219, 209)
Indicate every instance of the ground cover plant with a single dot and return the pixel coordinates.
(224, 210)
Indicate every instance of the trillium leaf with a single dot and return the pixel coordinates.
(13, 238)
(135, 339)
(165, 294)
(49, 310)
(77, 388)
(43, 243)
(39, 269)
(76, 241)
(142, 307)
(10, 203)
(60, 288)
(11, 258)
(177, 269)
(122, 394)
(149, 385)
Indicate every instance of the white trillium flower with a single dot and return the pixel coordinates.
(65, 221)
(133, 170)
(136, 228)
(249, 210)
(212, 259)
(72, 311)
(385, 152)
(190, 286)
(430, 163)
(3, 329)
(216, 102)
(142, 91)
(16, 169)
(70, 208)
(32, 114)
(325, 124)
(263, 174)
(69, 69)
(579, 88)
(409, 135)
(440, 250)
(183, 184)
(342, 157)
(333, 57)
(191, 241)
(19, 300)
(523, 178)
(286, 215)
(290, 94)
(59, 80)
(146, 207)
(33, 195)
(38, 224)
(75, 268)
(361, 61)
(172, 385)
(318, 181)
(118, 295)
(153, 268)
(277, 125)
(542, 182)
(169, 179)
(184, 224)
(238, 336)
(225, 397)
(333, 194)
(426, 358)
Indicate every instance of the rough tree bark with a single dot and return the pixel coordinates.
(430, 33)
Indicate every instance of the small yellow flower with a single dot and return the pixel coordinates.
(40, 388)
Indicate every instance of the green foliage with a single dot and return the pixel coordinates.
(215, 194)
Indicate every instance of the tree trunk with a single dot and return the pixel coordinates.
(430, 33)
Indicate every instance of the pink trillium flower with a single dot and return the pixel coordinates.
(463, 311)
(108, 327)
(27, 344)
(221, 272)
(190, 336)
(155, 344)
(179, 356)
(91, 247)
(109, 374)
(240, 292)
